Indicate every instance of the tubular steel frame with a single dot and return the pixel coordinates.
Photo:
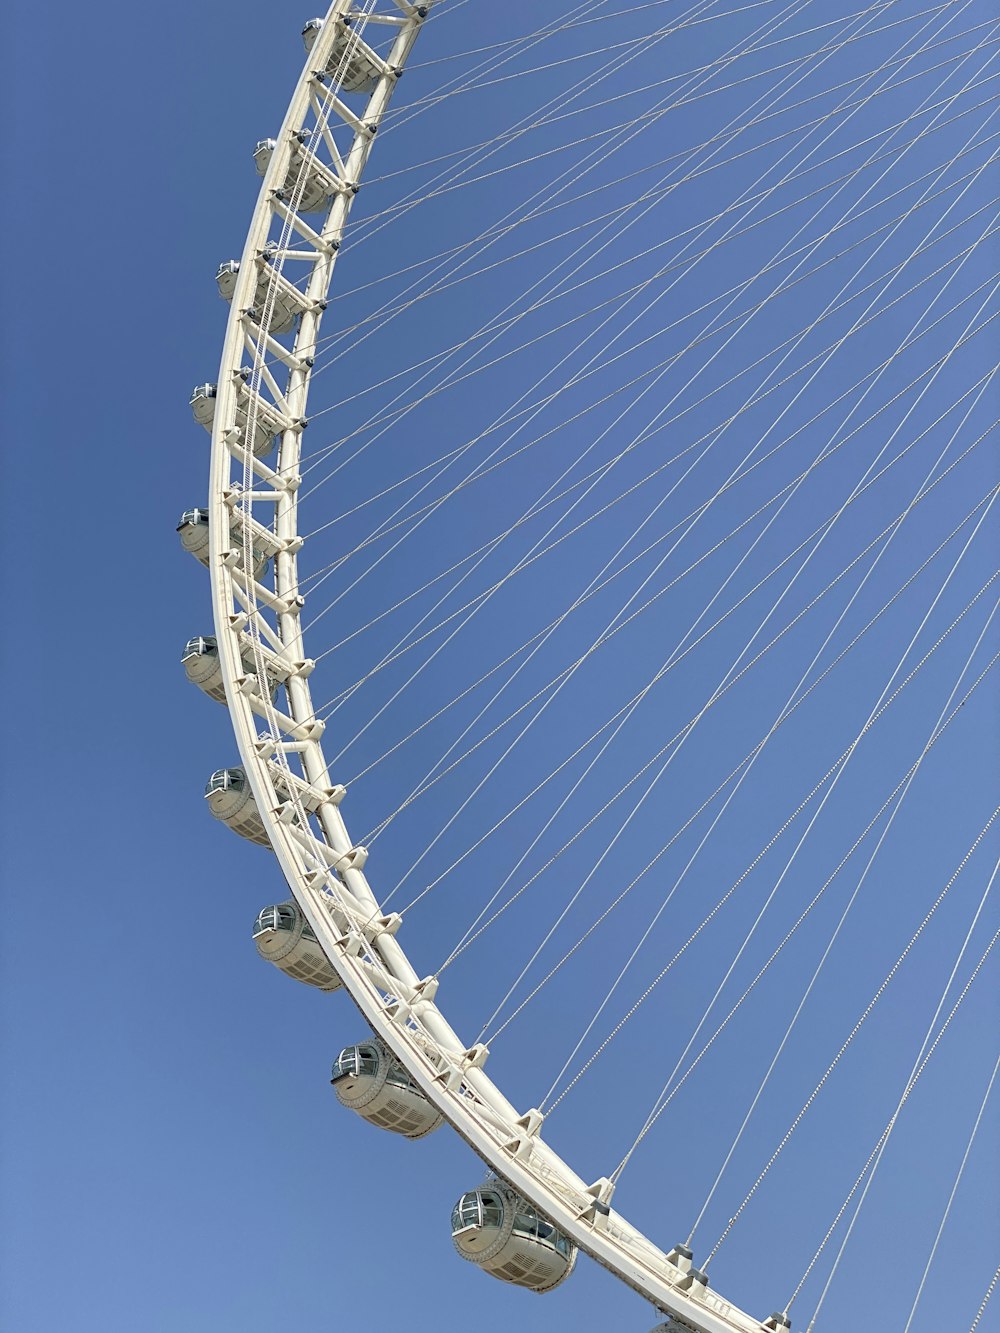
(323, 137)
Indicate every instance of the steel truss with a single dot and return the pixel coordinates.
(315, 165)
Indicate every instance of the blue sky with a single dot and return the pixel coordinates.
(173, 1156)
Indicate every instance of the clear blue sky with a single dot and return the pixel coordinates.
(174, 1160)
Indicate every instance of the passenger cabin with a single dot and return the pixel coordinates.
(352, 66)
(200, 660)
(496, 1228)
(267, 420)
(230, 799)
(285, 938)
(309, 184)
(369, 1079)
(270, 286)
(193, 532)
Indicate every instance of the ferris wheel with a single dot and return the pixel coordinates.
(418, 1071)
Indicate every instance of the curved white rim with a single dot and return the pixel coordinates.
(326, 872)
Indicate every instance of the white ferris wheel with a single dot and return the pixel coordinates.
(888, 439)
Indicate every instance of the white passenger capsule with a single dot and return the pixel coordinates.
(267, 421)
(193, 532)
(285, 938)
(203, 404)
(370, 1080)
(285, 308)
(200, 660)
(309, 184)
(358, 73)
(231, 800)
(497, 1229)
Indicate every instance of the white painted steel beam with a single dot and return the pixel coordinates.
(302, 811)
